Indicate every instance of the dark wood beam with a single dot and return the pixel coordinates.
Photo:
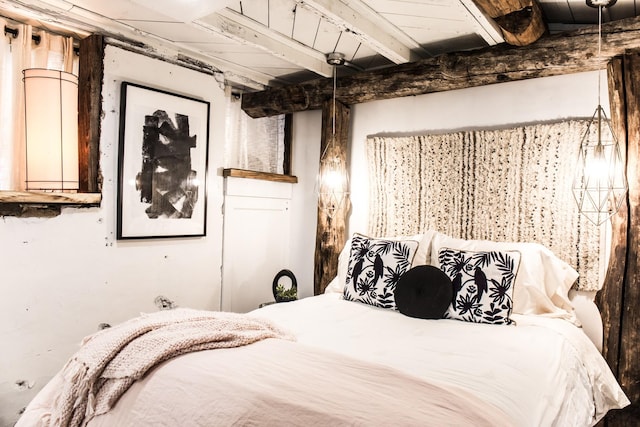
(629, 363)
(609, 298)
(619, 300)
(90, 75)
(331, 231)
(520, 21)
(563, 53)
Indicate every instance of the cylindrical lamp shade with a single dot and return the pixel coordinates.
(51, 123)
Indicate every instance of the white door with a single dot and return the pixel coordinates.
(255, 241)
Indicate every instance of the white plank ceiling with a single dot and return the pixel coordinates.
(258, 43)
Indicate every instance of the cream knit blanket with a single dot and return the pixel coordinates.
(109, 361)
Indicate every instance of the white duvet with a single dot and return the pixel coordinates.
(354, 364)
(541, 372)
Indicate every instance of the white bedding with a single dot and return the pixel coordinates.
(355, 364)
(541, 372)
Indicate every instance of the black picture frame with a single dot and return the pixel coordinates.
(162, 164)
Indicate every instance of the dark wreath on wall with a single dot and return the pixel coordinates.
(162, 164)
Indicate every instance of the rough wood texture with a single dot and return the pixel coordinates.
(629, 364)
(626, 301)
(288, 143)
(243, 173)
(90, 75)
(520, 21)
(610, 297)
(562, 53)
(35, 197)
(331, 232)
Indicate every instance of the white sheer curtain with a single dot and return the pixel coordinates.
(53, 52)
(254, 144)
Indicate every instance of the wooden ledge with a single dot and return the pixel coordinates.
(34, 197)
(243, 173)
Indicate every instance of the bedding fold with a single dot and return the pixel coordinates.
(110, 361)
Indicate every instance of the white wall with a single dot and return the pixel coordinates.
(499, 105)
(62, 277)
(304, 203)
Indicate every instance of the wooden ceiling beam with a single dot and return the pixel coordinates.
(487, 28)
(241, 29)
(357, 18)
(521, 21)
(563, 53)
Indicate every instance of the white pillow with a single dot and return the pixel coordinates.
(375, 266)
(422, 257)
(542, 282)
(483, 284)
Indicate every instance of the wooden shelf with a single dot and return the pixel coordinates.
(41, 198)
(243, 173)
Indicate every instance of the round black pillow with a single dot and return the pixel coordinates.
(424, 291)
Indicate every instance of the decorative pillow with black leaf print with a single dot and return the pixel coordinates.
(375, 266)
(482, 284)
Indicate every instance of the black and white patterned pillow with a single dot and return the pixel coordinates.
(482, 284)
(375, 265)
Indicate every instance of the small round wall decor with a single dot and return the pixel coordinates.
(285, 286)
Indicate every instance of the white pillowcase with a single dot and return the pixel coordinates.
(543, 280)
(422, 257)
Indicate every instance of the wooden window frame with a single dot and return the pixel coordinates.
(33, 203)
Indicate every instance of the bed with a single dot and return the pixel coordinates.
(351, 357)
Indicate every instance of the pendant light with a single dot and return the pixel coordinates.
(600, 184)
(333, 181)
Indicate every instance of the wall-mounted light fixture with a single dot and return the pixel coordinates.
(51, 126)
(333, 179)
(600, 183)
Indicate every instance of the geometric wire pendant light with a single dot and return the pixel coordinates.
(600, 183)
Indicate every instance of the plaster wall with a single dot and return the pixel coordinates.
(63, 277)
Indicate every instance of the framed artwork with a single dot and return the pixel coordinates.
(162, 164)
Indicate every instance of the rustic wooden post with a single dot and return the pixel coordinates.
(619, 299)
(331, 232)
(609, 298)
(629, 363)
(90, 75)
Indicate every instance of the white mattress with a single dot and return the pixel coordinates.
(541, 372)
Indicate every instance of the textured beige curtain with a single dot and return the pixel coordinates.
(502, 185)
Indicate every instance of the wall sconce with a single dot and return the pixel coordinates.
(600, 183)
(51, 130)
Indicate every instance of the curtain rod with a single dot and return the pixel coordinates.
(14, 33)
(36, 38)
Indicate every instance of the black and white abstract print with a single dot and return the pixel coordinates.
(375, 266)
(482, 284)
(167, 181)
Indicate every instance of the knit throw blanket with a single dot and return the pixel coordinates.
(109, 361)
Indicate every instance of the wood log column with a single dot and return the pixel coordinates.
(619, 300)
(520, 21)
(90, 75)
(331, 232)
